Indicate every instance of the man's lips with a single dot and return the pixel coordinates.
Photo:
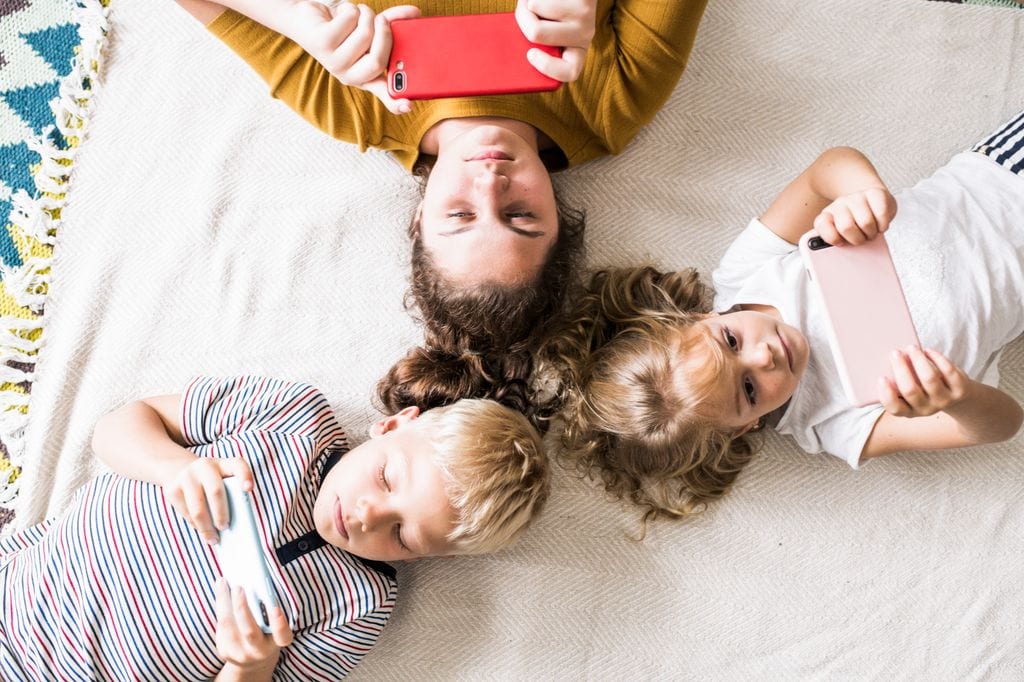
(789, 356)
(339, 520)
(491, 155)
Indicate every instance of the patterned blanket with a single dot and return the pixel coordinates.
(48, 59)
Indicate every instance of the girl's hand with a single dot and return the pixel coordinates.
(856, 218)
(240, 641)
(568, 24)
(926, 382)
(351, 42)
(196, 491)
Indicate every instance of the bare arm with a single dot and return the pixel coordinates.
(143, 441)
(840, 194)
(932, 405)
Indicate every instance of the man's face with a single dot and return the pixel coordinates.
(386, 499)
(489, 211)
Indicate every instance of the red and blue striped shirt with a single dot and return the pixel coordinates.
(119, 587)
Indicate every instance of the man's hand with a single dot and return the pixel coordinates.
(196, 491)
(351, 42)
(856, 218)
(568, 24)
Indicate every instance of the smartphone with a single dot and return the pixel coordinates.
(867, 314)
(240, 553)
(470, 54)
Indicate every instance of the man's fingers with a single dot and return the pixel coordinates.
(400, 12)
(379, 89)
(564, 69)
(352, 48)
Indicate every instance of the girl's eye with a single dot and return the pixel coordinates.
(518, 214)
(398, 537)
(748, 388)
(730, 339)
(460, 214)
(383, 478)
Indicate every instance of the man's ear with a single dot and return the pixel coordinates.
(391, 423)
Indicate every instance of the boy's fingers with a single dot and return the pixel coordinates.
(244, 620)
(239, 468)
(224, 618)
(198, 512)
(281, 631)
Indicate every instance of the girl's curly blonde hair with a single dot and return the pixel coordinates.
(636, 379)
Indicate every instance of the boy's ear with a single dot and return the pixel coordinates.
(394, 421)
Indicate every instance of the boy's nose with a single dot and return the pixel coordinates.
(371, 514)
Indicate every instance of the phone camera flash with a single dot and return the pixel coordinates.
(400, 65)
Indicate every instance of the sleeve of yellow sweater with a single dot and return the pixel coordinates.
(299, 80)
(647, 50)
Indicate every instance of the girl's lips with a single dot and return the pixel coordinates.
(785, 347)
(339, 520)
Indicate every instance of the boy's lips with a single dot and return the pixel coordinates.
(339, 519)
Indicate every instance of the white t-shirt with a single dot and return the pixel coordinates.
(958, 246)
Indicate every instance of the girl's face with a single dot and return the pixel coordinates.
(488, 211)
(764, 359)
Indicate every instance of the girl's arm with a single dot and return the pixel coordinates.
(143, 441)
(933, 405)
(840, 195)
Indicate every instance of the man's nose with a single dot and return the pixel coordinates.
(490, 182)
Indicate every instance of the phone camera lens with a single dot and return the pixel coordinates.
(399, 81)
(817, 243)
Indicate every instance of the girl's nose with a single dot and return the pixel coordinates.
(763, 356)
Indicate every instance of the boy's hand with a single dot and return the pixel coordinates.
(926, 382)
(856, 218)
(568, 24)
(351, 42)
(197, 492)
(240, 641)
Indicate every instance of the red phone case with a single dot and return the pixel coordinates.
(867, 313)
(471, 54)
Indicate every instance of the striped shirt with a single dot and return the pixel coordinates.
(119, 587)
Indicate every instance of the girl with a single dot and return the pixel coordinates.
(664, 390)
(493, 250)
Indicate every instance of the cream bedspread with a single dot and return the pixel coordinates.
(210, 230)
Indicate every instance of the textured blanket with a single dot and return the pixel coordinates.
(209, 230)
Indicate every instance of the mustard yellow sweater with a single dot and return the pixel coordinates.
(637, 55)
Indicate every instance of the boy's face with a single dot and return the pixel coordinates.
(386, 500)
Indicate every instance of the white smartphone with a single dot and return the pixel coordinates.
(240, 553)
(866, 311)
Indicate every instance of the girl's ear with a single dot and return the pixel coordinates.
(755, 425)
(391, 423)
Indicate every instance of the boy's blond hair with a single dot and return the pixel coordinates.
(495, 469)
